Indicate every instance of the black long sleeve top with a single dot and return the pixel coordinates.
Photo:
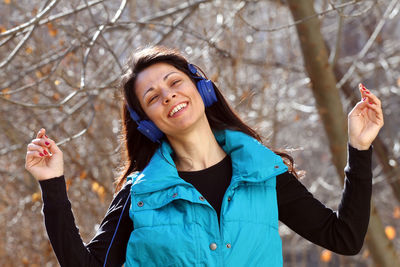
(340, 231)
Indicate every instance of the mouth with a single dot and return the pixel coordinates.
(178, 109)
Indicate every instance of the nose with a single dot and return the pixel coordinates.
(168, 96)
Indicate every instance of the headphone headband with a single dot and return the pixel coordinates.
(133, 114)
(192, 68)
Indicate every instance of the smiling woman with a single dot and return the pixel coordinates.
(198, 187)
(157, 80)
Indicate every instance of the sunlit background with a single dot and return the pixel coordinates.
(60, 62)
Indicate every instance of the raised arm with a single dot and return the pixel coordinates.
(341, 231)
(44, 161)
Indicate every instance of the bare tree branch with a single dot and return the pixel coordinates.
(38, 19)
(369, 43)
(334, 8)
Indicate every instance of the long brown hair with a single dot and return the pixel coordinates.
(137, 149)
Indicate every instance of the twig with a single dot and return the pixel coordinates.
(94, 38)
(297, 21)
(172, 10)
(61, 119)
(32, 27)
(368, 45)
(36, 83)
(17, 48)
(174, 25)
(23, 26)
(82, 132)
(52, 58)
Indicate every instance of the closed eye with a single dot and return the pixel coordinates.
(152, 98)
(175, 82)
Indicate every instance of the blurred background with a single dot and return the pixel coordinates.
(290, 68)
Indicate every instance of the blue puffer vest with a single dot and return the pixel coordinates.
(175, 226)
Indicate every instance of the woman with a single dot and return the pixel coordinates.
(199, 189)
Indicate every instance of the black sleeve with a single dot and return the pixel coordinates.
(64, 235)
(341, 231)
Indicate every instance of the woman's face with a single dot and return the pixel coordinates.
(170, 99)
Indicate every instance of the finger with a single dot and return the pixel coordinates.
(34, 154)
(377, 111)
(367, 93)
(375, 100)
(372, 99)
(44, 142)
(41, 133)
(42, 151)
(52, 146)
(32, 147)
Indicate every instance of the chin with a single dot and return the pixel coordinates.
(186, 125)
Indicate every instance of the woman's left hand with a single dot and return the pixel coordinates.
(365, 120)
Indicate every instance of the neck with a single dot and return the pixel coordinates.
(196, 150)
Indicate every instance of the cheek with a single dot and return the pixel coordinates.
(154, 112)
(195, 94)
(200, 101)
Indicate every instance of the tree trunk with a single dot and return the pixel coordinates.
(323, 81)
(329, 106)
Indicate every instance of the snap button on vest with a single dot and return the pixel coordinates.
(229, 198)
(140, 203)
(213, 246)
(201, 198)
(276, 166)
(228, 245)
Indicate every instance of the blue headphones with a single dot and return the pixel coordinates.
(207, 93)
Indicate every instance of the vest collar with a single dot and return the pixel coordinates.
(251, 162)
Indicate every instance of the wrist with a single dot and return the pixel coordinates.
(359, 146)
(48, 175)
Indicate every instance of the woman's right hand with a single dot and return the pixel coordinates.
(44, 160)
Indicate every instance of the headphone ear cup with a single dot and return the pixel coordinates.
(207, 93)
(150, 130)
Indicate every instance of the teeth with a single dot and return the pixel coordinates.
(177, 108)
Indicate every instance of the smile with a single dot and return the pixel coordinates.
(177, 108)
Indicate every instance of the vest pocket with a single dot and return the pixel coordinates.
(254, 202)
(164, 229)
(171, 206)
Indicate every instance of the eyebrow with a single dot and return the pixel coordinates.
(151, 88)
